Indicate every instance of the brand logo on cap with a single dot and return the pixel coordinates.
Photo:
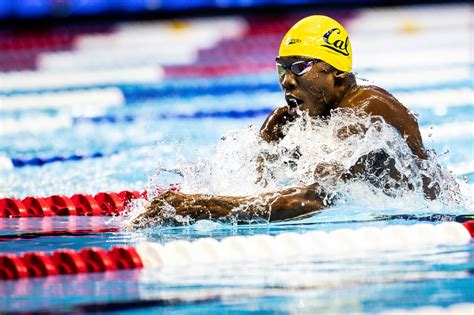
(337, 45)
(294, 41)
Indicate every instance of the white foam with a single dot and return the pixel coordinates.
(317, 142)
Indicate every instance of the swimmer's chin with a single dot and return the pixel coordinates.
(292, 111)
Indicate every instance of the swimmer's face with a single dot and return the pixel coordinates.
(314, 90)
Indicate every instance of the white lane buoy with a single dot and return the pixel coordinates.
(287, 246)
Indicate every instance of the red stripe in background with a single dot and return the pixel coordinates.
(252, 53)
(19, 49)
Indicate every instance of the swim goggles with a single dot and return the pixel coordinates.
(297, 68)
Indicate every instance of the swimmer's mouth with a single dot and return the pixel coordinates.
(293, 102)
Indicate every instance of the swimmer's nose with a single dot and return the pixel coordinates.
(288, 83)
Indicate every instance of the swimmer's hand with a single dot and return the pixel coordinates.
(175, 208)
(272, 128)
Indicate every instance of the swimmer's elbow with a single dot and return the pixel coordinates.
(270, 135)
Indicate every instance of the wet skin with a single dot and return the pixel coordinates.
(321, 90)
(318, 92)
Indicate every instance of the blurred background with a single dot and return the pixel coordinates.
(96, 95)
(14, 10)
(91, 86)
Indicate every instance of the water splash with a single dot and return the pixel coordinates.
(323, 150)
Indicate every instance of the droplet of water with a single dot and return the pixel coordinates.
(291, 162)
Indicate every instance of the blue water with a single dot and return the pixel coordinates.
(163, 118)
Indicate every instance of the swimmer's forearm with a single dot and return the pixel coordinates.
(290, 203)
(201, 206)
(296, 202)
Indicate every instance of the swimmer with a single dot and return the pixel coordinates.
(314, 70)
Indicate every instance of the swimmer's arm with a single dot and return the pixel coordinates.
(272, 128)
(384, 105)
(296, 202)
(287, 204)
(271, 131)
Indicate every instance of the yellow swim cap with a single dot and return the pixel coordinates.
(321, 37)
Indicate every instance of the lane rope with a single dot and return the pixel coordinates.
(454, 309)
(112, 119)
(341, 243)
(118, 94)
(40, 161)
(103, 203)
(437, 133)
(69, 232)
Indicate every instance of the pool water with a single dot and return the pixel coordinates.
(103, 110)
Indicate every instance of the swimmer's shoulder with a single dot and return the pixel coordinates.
(369, 98)
(376, 101)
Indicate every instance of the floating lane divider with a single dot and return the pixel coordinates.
(69, 232)
(66, 261)
(235, 249)
(249, 113)
(40, 161)
(454, 309)
(103, 203)
(218, 87)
